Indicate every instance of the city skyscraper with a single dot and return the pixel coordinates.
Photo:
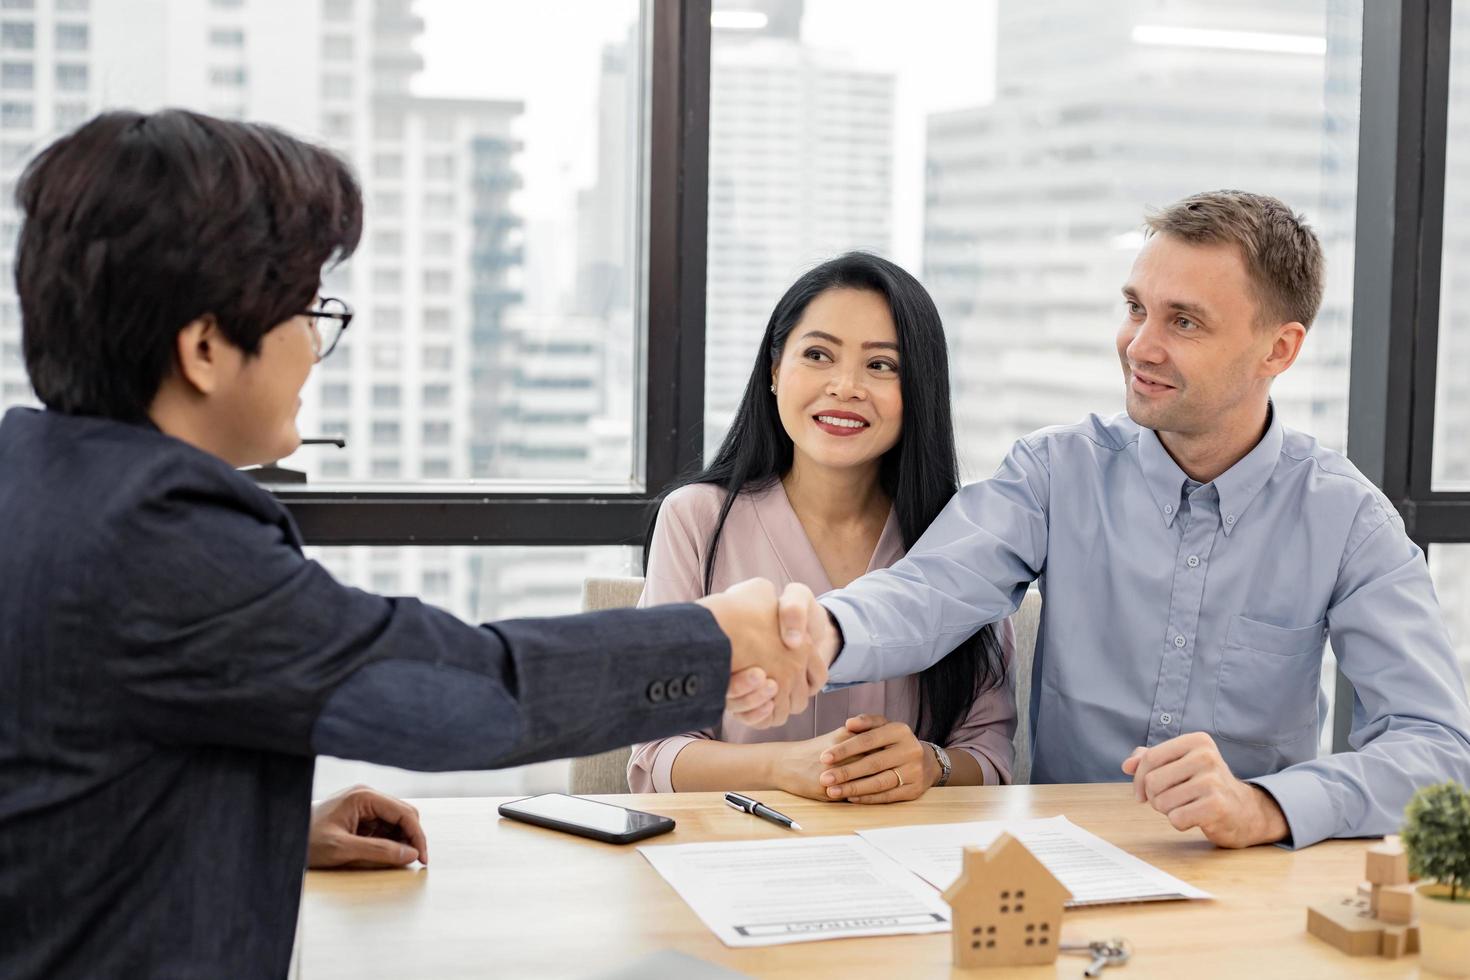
(800, 170)
(1034, 202)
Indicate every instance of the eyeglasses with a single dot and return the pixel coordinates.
(328, 322)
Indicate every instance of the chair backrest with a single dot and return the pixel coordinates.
(606, 772)
(1027, 621)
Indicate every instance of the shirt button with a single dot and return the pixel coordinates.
(1194, 561)
(1179, 640)
(1229, 518)
(1165, 718)
(1168, 508)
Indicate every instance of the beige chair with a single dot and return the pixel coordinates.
(607, 772)
(1026, 621)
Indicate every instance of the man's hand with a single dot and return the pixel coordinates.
(1187, 780)
(774, 664)
(362, 828)
(885, 763)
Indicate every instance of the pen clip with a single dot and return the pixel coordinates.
(735, 806)
(740, 802)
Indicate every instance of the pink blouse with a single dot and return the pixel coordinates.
(764, 538)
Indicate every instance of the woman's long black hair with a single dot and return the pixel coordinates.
(919, 474)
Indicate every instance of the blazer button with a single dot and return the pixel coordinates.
(691, 685)
(656, 691)
(675, 687)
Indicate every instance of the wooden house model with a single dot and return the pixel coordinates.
(1006, 907)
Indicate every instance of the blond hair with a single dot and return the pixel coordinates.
(1282, 254)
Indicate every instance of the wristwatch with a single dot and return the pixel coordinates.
(942, 757)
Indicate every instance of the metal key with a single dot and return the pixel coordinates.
(1104, 954)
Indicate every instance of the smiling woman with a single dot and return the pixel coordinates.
(839, 456)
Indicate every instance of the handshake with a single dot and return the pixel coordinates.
(780, 648)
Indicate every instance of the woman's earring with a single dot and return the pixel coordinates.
(773, 389)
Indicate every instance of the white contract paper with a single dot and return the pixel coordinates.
(766, 893)
(1094, 871)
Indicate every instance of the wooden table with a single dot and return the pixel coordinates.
(505, 899)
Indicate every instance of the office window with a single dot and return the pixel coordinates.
(388, 165)
(438, 358)
(1451, 457)
(17, 75)
(74, 6)
(436, 433)
(337, 10)
(227, 4)
(386, 355)
(387, 243)
(336, 396)
(337, 47)
(15, 36)
(439, 205)
(71, 37)
(387, 280)
(13, 153)
(387, 319)
(436, 468)
(437, 282)
(17, 115)
(335, 469)
(337, 125)
(17, 4)
(71, 78)
(387, 396)
(385, 433)
(437, 319)
(436, 396)
(71, 114)
(1006, 156)
(438, 244)
(440, 166)
(227, 76)
(227, 37)
(388, 204)
(337, 86)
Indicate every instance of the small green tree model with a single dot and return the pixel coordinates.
(1436, 836)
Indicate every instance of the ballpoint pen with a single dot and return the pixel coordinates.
(759, 809)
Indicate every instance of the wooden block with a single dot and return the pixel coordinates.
(1369, 891)
(1387, 863)
(1347, 924)
(1399, 941)
(1395, 903)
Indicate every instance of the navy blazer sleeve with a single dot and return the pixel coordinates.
(223, 632)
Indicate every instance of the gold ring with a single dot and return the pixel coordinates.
(899, 775)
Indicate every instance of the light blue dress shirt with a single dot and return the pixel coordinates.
(1171, 607)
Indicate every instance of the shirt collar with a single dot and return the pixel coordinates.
(1237, 486)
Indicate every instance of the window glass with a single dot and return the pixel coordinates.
(1006, 155)
(503, 193)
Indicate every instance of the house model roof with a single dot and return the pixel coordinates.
(1002, 865)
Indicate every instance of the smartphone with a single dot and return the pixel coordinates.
(587, 818)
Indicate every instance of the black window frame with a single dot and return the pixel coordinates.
(677, 164)
(1395, 319)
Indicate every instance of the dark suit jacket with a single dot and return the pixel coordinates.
(170, 663)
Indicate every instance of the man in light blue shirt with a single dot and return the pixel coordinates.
(1194, 555)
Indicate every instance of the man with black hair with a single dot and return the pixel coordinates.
(171, 662)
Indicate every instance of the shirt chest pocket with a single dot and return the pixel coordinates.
(1269, 680)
